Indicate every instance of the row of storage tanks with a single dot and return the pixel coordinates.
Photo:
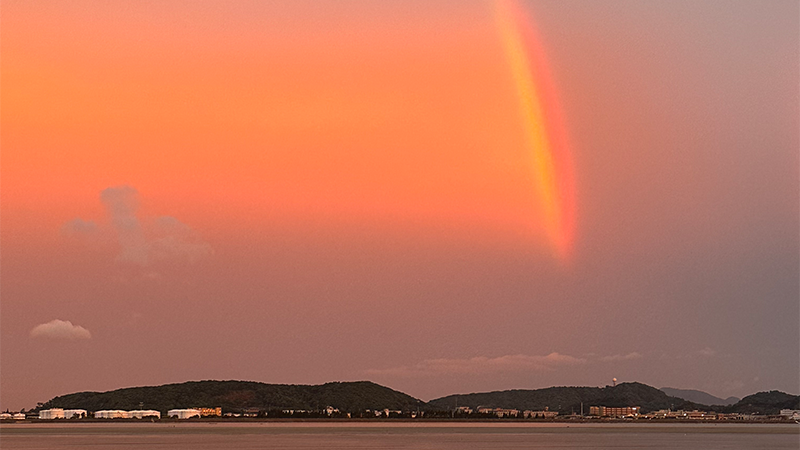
(59, 413)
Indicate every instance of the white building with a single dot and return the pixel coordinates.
(53, 413)
(6, 416)
(19, 416)
(142, 413)
(75, 413)
(111, 414)
(183, 413)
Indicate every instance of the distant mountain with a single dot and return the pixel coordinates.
(769, 403)
(568, 399)
(239, 395)
(700, 397)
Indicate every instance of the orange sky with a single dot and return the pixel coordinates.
(376, 116)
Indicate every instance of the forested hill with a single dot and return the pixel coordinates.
(238, 395)
(766, 403)
(568, 399)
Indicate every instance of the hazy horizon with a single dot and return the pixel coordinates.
(440, 197)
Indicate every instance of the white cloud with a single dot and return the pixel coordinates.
(616, 358)
(481, 365)
(60, 329)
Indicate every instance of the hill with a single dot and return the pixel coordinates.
(699, 397)
(239, 395)
(568, 399)
(771, 402)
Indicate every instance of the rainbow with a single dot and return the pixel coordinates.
(544, 130)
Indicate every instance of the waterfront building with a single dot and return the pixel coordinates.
(207, 412)
(606, 411)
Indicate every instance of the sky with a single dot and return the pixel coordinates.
(441, 197)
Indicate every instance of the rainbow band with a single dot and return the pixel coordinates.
(544, 130)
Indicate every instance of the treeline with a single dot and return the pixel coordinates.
(363, 398)
(566, 400)
(238, 396)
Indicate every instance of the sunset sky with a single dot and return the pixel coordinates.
(438, 196)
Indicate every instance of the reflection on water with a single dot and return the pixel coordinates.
(291, 435)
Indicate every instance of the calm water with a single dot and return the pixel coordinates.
(316, 435)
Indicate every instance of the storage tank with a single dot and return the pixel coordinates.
(142, 413)
(111, 414)
(74, 413)
(52, 413)
(183, 413)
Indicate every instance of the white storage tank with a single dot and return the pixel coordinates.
(52, 413)
(142, 413)
(111, 414)
(74, 413)
(183, 413)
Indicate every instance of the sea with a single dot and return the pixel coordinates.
(400, 435)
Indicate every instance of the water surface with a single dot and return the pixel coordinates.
(403, 435)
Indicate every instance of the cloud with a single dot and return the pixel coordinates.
(176, 240)
(707, 352)
(481, 365)
(121, 204)
(616, 358)
(60, 329)
(142, 242)
(79, 227)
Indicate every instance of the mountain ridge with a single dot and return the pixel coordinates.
(701, 397)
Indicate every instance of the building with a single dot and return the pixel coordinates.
(208, 412)
(144, 413)
(111, 414)
(6, 416)
(183, 413)
(251, 412)
(19, 416)
(605, 411)
(53, 413)
(793, 414)
(546, 414)
(499, 412)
